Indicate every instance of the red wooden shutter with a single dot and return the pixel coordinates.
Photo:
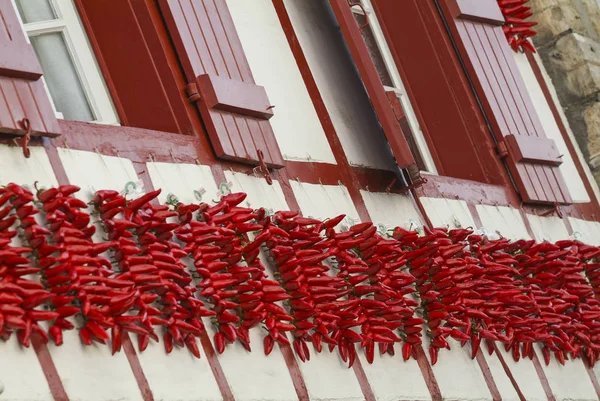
(370, 77)
(22, 92)
(235, 110)
(531, 157)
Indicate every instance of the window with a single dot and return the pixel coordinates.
(390, 77)
(71, 74)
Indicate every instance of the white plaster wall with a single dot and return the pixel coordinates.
(391, 210)
(21, 375)
(92, 171)
(324, 201)
(14, 167)
(448, 212)
(182, 180)
(586, 231)
(392, 378)
(296, 125)
(523, 372)
(505, 220)
(572, 178)
(569, 382)
(260, 194)
(339, 84)
(80, 367)
(549, 228)
(458, 376)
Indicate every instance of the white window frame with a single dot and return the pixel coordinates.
(398, 87)
(68, 23)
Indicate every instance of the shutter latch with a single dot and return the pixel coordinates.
(502, 149)
(26, 125)
(191, 90)
(262, 167)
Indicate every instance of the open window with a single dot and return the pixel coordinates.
(71, 74)
(392, 83)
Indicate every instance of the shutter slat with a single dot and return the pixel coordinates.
(234, 109)
(476, 10)
(233, 41)
(234, 96)
(531, 159)
(19, 61)
(21, 89)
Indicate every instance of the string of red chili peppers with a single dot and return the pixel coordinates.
(147, 256)
(338, 288)
(516, 28)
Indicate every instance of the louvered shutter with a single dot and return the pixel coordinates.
(234, 109)
(375, 90)
(22, 92)
(531, 157)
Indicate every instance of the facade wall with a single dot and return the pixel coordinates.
(341, 167)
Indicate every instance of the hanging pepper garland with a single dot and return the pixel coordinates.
(165, 267)
(517, 29)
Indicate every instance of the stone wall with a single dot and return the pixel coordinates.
(568, 42)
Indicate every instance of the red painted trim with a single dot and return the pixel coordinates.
(479, 193)
(295, 373)
(543, 379)
(488, 377)
(592, 376)
(216, 368)
(52, 377)
(416, 196)
(427, 372)
(527, 224)
(363, 381)
(138, 144)
(511, 377)
(54, 158)
(136, 367)
(284, 181)
(475, 214)
(567, 223)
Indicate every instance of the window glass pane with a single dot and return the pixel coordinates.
(369, 38)
(35, 10)
(61, 77)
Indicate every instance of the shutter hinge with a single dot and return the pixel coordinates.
(191, 90)
(501, 149)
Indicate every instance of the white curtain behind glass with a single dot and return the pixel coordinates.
(61, 77)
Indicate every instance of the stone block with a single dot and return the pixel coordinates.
(591, 116)
(554, 21)
(573, 50)
(584, 80)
